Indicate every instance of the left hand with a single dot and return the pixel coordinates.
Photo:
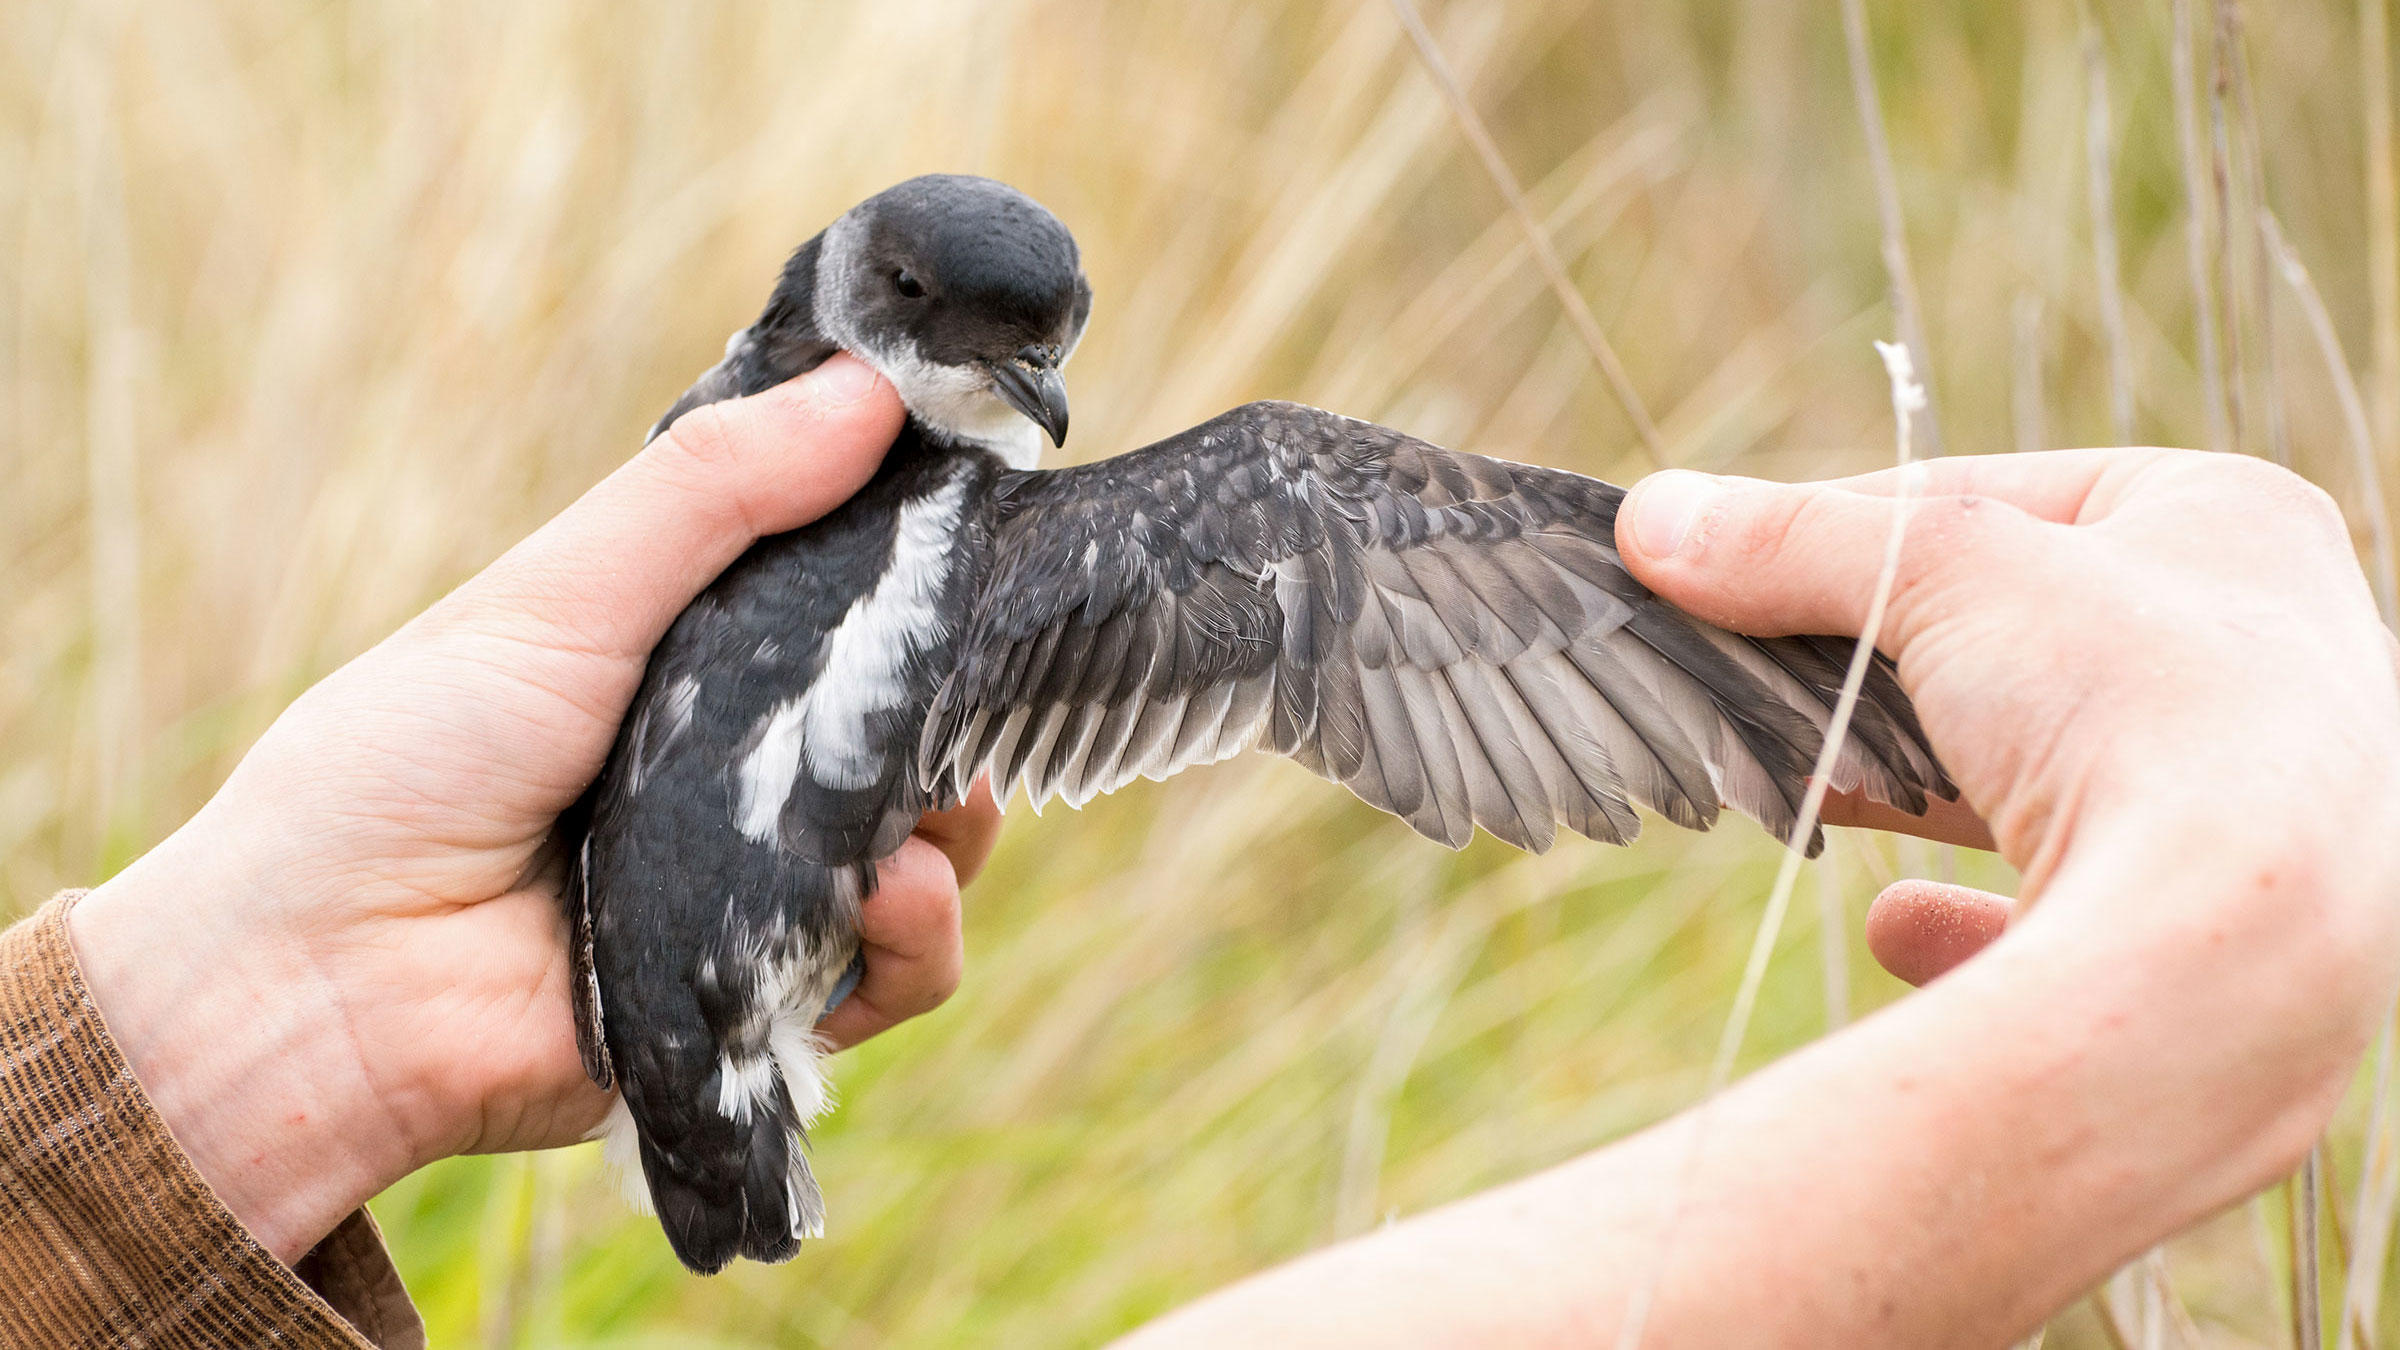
(344, 966)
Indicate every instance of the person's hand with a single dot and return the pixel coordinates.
(2159, 678)
(2096, 634)
(349, 963)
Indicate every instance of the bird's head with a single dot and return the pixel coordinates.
(968, 297)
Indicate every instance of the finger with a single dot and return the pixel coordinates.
(1770, 558)
(1922, 929)
(611, 571)
(966, 833)
(914, 949)
(1943, 822)
(2063, 487)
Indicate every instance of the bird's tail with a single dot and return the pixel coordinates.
(720, 1072)
(726, 1169)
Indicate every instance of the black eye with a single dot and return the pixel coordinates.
(908, 285)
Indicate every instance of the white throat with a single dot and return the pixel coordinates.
(958, 402)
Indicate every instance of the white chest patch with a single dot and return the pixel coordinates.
(823, 732)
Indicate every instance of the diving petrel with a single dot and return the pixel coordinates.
(1451, 637)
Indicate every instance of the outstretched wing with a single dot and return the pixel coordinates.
(1450, 636)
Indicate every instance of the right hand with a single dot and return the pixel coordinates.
(2131, 660)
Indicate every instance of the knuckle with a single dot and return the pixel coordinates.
(2274, 502)
(2307, 503)
(1782, 526)
(2254, 485)
(1941, 530)
(1945, 543)
(702, 455)
(940, 991)
(704, 437)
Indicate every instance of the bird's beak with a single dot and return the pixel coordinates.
(1032, 385)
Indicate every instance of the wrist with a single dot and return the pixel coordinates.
(238, 1044)
(2274, 931)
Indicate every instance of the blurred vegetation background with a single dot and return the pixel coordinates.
(307, 310)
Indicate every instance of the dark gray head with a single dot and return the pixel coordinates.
(968, 296)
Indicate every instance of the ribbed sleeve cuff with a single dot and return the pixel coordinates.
(107, 1234)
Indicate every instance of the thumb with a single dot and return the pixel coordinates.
(1775, 558)
(609, 573)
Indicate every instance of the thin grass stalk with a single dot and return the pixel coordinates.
(2329, 1185)
(2099, 155)
(2225, 35)
(2373, 1209)
(1894, 225)
(2308, 1331)
(112, 465)
(1545, 254)
(2165, 1308)
(2263, 1235)
(500, 1274)
(2383, 215)
(1833, 940)
(546, 1249)
(2106, 1313)
(2195, 229)
(2262, 270)
(2371, 1215)
(2367, 473)
(1908, 400)
(2029, 416)
(2154, 1302)
(2379, 1176)
(1425, 988)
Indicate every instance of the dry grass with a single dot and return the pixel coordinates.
(306, 311)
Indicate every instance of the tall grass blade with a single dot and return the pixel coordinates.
(112, 468)
(1899, 271)
(2367, 474)
(2383, 214)
(2029, 413)
(2108, 1312)
(1833, 938)
(1908, 401)
(2197, 215)
(2099, 143)
(2372, 1214)
(2307, 1311)
(1545, 254)
(2262, 268)
(2224, 41)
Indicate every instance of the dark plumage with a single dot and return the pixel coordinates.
(1451, 637)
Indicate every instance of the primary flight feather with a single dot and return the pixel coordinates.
(1451, 637)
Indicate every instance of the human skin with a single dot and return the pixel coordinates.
(351, 962)
(2159, 676)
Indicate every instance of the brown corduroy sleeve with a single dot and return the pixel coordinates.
(107, 1235)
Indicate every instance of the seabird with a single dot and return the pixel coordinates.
(1451, 637)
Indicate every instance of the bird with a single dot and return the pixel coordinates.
(1452, 637)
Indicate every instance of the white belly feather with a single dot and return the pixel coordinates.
(823, 731)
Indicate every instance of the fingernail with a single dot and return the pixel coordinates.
(843, 380)
(1667, 506)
